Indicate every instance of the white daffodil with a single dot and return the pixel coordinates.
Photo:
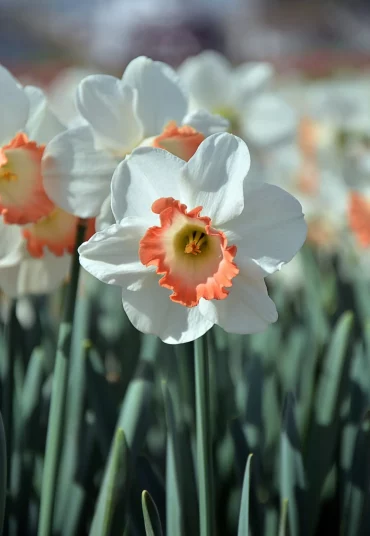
(240, 94)
(21, 273)
(321, 191)
(342, 104)
(26, 125)
(193, 241)
(62, 91)
(147, 106)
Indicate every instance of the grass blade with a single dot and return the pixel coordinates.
(292, 478)
(325, 427)
(3, 474)
(243, 526)
(283, 517)
(152, 522)
(114, 479)
(58, 397)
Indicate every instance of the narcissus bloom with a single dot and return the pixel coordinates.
(193, 241)
(26, 125)
(21, 273)
(147, 106)
(359, 218)
(241, 94)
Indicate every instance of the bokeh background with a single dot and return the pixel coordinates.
(51, 34)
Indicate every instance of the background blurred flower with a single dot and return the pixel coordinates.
(241, 95)
(21, 273)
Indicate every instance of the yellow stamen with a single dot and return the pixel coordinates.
(195, 240)
(7, 175)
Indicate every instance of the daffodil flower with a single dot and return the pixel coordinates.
(145, 107)
(26, 125)
(193, 241)
(21, 273)
(242, 95)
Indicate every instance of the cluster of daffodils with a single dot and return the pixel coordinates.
(157, 163)
(327, 168)
(37, 236)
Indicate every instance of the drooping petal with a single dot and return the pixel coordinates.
(271, 228)
(14, 106)
(112, 255)
(160, 96)
(248, 308)
(76, 176)
(151, 311)
(142, 178)
(205, 122)
(22, 195)
(42, 125)
(109, 107)
(208, 80)
(215, 176)
(268, 120)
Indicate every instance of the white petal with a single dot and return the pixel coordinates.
(151, 311)
(105, 218)
(250, 79)
(109, 107)
(205, 122)
(76, 176)
(142, 178)
(112, 255)
(11, 245)
(42, 124)
(35, 276)
(160, 96)
(271, 228)
(9, 280)
(268, 120)
(62, 93)
(215, 176)
(208, 79)
(248, 308)
(14, 106)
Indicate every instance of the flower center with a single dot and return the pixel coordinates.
(193, 258)
(6, 174)
(232, 116)
(22, 196)
(195, 241)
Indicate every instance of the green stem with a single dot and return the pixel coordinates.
(58, 395)
(186, 385)
(8, 390)
(204, 438)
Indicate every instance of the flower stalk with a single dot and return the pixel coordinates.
(58, 395)
(203, 437)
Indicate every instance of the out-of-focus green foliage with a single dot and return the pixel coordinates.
(296, 397)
